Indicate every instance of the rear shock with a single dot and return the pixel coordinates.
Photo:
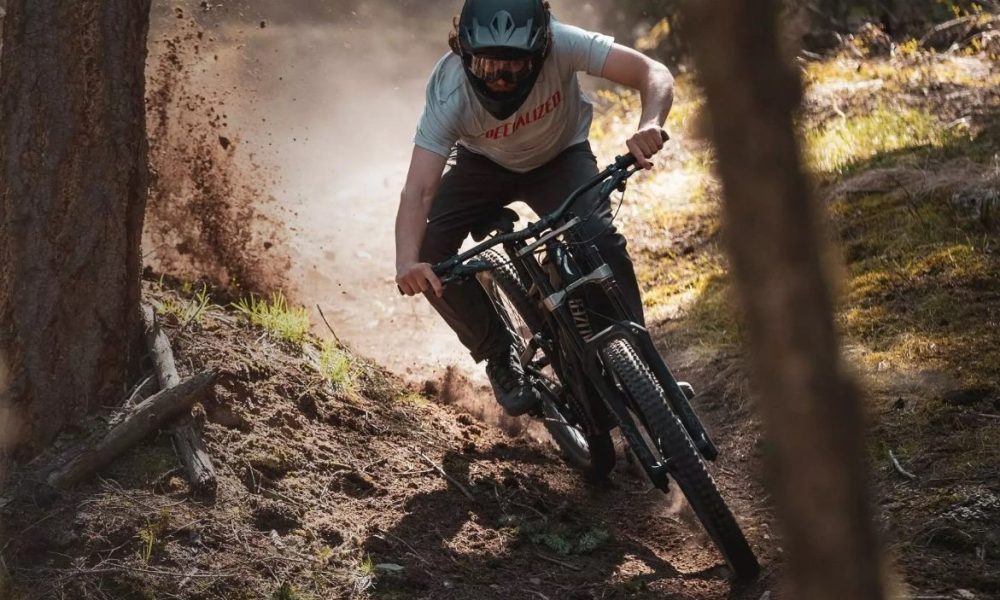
(580, 317)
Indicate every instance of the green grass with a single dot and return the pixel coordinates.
(850, 140)
(364, 575)
(187, 308)
(919, 283)
(336, 366)
(562, 538)
(150, 536)
(288, 592)
(286, 323)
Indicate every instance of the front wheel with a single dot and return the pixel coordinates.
(685, 463)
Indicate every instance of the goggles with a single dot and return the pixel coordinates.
(490, 70)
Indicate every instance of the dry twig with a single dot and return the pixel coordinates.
(444, 474)
(328, 326)
(899, 468)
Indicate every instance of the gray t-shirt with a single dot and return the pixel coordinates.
(556, 114)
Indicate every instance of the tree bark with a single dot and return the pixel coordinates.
(187, 442)
(148, 417)
(73, 182)
(811, 408)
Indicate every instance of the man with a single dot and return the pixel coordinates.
(509, 96)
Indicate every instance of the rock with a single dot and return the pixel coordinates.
(390, 568)
(276, 539)
(965, 594)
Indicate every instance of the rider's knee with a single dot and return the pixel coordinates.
(437, 246)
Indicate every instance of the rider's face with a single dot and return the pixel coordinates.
(501, 86)
(501, 75)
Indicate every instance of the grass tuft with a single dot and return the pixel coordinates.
(287, 323)
(562, 538)
(364, 575)
(150, 536)
(335, 365)
(287, 592)
(187, 309)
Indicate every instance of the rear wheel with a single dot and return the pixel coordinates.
(685, 463)
(594, 455)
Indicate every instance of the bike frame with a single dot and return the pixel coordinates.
(574, 273)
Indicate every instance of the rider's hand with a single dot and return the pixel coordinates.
(645, 143)
(417, 278)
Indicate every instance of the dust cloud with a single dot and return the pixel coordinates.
(304, 114)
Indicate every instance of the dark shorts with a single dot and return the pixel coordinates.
(472, 191)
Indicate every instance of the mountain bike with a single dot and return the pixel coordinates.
(597, 369)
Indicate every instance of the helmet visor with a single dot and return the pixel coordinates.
(492, 70)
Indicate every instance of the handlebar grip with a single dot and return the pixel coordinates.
(627, 160)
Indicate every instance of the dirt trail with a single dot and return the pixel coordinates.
(320, 108)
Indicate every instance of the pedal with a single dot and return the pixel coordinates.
(659, 475)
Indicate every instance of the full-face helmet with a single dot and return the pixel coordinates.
(503, 45)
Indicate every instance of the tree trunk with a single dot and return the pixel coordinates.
(812, 410)
(73, 181)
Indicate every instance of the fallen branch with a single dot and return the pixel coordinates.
(556, 561)
(444, 474)
(149, 416)
(187, 441)
(949, 33)
(899, 468)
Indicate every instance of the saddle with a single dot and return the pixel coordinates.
(501, 221)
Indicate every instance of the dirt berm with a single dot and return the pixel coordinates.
(332, 485)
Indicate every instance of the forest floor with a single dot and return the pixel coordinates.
(330, 468)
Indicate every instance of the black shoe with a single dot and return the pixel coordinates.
(512, 388)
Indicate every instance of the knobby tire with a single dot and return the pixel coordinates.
(685, 463)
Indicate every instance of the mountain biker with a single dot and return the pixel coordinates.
(509, 96)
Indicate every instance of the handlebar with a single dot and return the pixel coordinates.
(456, 268)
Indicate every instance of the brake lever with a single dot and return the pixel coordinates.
(463, 272)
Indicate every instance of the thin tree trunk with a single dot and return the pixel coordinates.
(811, 408)
(73, 180)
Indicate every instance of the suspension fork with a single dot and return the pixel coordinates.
(643, 342)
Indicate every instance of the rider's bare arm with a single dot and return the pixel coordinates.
(655, 85)
(413, 276)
